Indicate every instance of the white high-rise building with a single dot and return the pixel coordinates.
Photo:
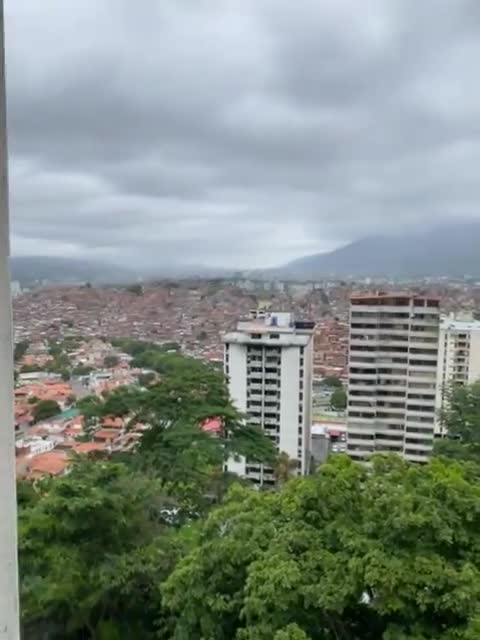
(458, 357)
(268, 363)
(392, 377)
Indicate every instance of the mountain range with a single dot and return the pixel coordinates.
(449, 250)
(30, 270)
(34, 270)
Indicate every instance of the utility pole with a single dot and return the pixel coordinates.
(9, 612)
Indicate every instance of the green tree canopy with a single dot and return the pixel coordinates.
(93, 549)
(20, 350)
(111, 361)
(45, 409)
(189, 392)
(90, 406)
(338, 400)
(383, 553)
(284, 468)
(146, 379)
(82, 370)
(30, 368)
(332, 381)
(461, 419)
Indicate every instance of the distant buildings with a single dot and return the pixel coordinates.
(458, 358)
(392, 375)
(330, 349)
(268, 362)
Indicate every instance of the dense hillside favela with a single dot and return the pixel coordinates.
(249, 459)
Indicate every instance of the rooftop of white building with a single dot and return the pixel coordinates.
(463, 323)
(277, 327)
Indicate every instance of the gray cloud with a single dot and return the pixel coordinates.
(243, 133)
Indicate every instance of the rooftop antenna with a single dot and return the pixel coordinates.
(9, 613)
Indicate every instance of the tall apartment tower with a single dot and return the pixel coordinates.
(268, 364)
(458, 357)
(392, 377)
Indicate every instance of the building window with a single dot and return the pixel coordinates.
(256, 336)
(274, 336)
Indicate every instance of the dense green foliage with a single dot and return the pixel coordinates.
(461, 419)
(350, 554)
(175, 448)
(146, 379)
(338, 400)
(82, 370)
(332, 381)
(387, 553)
(93, 552)
(20, 350)
(45, 409)
(111, 361)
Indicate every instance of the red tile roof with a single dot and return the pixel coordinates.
(106, 434)
(52, 463)
(212, 425)
(88, 447)
(111, 422)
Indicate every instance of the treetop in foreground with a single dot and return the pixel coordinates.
(350, 554)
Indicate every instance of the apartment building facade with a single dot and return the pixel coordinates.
(392, 375)
(458, 358)
(268, 364)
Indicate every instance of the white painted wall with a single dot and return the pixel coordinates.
(307, 399)
(289, 401)
(443, 359)
(237, 367)
(474, 359)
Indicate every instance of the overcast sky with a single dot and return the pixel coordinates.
(237, 132)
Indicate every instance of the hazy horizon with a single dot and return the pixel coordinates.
(231, 134)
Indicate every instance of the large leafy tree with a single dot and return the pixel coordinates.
(338, 400)
(188, 392)
(93, 548)
(389, 552)
(20, 350)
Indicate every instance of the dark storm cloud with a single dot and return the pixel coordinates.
(241, 133)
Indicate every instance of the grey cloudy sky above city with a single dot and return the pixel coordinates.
(241, 133)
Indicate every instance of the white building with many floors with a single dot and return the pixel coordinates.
(458, 357)
(268, 363)
(392, 375)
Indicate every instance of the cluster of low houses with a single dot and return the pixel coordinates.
(47, 447)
